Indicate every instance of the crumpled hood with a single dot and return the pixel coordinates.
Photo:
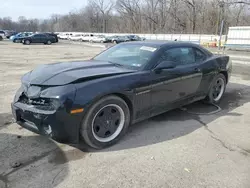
(65, 73)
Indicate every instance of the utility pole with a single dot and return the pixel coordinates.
(221, 21)
(221, 32)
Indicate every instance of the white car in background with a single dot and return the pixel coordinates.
(2, 34)
(87, 37)
(76, 37)
(99, 38)
(64, 36)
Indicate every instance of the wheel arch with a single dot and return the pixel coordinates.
(123, 96)
(128, 102)
(225, 74)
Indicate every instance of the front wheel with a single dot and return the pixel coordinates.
(106, 122)
(49, 42)
(217, 89)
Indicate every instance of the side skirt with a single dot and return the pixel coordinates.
(172, 106)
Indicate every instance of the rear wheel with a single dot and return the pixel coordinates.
(217, 89)
(27, 42)
(105, 122)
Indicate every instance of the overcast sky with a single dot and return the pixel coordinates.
(38, 8)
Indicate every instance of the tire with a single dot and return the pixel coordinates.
(49, 42)
(217, 89)
(26, 42)
(90, 130)
(115, 42)
(14, 40)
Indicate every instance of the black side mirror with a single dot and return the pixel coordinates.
(164, 65)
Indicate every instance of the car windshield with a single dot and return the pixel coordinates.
(129, 55)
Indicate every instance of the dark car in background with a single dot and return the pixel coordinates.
(110, 38)
(53, 35)
(135, 38)
(97, 100)
(119, 39)
(39, 38)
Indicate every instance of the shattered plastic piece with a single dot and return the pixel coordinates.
(152, 158)
(16, 165)
(186, 169)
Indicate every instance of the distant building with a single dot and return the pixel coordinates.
(238, 37)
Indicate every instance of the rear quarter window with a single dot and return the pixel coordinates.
(199, 55)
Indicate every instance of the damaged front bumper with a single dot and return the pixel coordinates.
(48, 115)
(58, 125)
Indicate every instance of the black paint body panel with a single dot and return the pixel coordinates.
(76, 85)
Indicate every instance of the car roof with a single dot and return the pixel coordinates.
(159, 44)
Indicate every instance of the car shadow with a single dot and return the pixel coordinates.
(179, 122)
(28, 161)
(5, 120)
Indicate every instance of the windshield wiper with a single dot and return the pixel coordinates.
(116, 64)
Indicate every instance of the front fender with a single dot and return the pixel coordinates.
(87, 93)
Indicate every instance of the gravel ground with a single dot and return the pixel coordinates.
(176, 149)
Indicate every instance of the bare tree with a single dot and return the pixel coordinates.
(142, 16)
(192, 9)
(105, 7)
(130, 9)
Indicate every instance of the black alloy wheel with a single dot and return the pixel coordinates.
(217, 89)
(105, 122)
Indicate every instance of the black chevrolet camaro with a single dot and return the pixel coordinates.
(96, 100)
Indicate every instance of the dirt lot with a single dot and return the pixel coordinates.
(175, 149)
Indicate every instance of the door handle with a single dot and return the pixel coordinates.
(197, 70)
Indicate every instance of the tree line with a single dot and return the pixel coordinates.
(142, 16)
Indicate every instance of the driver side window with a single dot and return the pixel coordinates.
(180, 56)
(37, 36)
